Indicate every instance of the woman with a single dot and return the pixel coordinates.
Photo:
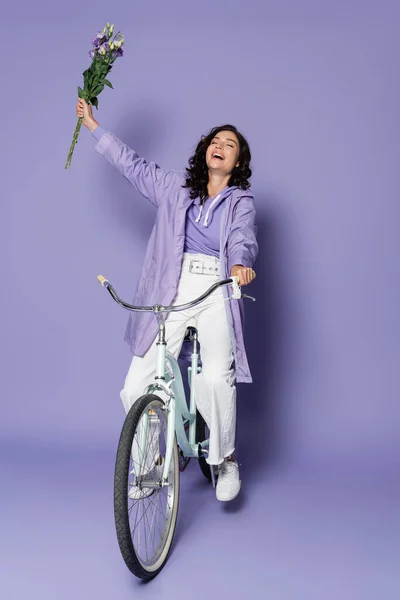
(204, 231)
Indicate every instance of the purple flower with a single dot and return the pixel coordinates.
(95, 42)
(101, 36)
(119, 52)
(92, 53)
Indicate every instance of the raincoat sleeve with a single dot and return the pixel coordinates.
(146, 176)
(242, 240)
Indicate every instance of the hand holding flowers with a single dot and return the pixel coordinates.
(106, 48)
(84, 112)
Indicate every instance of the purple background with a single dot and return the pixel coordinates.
(315, 88)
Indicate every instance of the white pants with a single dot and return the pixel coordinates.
(214, 387)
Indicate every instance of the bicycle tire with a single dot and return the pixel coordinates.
(183, 460)
(122, 512)
(201, 435)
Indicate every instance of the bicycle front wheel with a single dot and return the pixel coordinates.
(145, 517)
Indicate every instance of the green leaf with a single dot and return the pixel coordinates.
(98, 89)
(86, 78)
(93, 83)
(95, 102)
(83, 94)
(106, 82)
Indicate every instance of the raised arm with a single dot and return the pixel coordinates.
(153, 182)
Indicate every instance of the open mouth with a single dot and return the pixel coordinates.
(219, 156)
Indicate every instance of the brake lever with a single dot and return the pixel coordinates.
(237, 293)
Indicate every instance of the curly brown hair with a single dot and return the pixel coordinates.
(197, 172)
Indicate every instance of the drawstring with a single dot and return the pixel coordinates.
(209, 209)
(200, 213)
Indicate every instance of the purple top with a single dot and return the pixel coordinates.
(203, 223)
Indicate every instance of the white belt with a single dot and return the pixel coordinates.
(201, 267)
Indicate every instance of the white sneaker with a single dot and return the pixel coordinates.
(137, 493)
(228, 484)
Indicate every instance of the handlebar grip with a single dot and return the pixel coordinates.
(102, 280)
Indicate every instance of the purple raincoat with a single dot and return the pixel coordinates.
(161, 269)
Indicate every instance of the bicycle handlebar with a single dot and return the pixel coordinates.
(158, 308)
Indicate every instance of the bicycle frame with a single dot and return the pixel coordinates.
(168, 379)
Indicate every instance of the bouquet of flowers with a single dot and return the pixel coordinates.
(106, 48)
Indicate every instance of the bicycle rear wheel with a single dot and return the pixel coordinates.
(145, 518)
(202, 433)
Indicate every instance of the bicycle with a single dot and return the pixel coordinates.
(156, 436)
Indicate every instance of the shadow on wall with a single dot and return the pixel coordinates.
(260, 427)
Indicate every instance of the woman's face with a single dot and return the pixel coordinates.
(223, 153)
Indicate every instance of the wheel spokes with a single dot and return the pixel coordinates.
(151, 514)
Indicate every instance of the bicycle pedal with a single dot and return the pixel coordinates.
(202, 452)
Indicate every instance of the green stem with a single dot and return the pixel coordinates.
(74, 141)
